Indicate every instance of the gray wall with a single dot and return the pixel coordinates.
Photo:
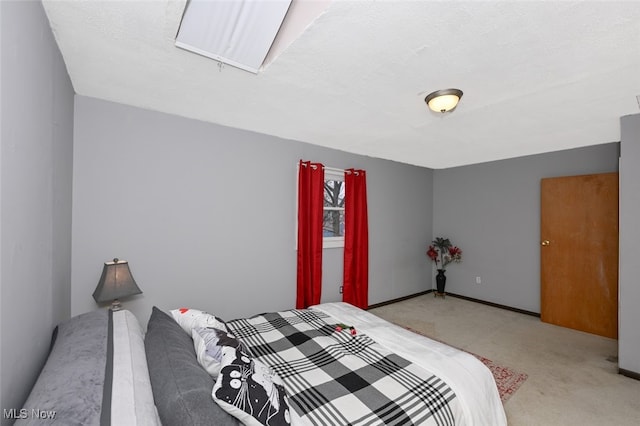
(35, 195)
(629, 290)
(206, 214)
(492, 212)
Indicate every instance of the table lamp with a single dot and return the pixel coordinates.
(116, 282)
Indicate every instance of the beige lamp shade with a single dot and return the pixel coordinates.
(443, 100)
(116, 282)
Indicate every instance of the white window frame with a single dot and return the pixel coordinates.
(331, 173)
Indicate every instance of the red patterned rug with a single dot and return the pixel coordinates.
(507, 380)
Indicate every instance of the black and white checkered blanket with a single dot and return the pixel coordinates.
(335, 378)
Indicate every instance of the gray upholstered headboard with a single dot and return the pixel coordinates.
(96, 368)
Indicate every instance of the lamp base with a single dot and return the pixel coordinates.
(116, 305)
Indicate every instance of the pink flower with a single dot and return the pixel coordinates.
(338, 328)
(433, 254)
(353, 331)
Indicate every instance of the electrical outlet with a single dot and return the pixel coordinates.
(340, 289)
(478, 280)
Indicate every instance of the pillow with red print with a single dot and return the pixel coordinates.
(191, 318)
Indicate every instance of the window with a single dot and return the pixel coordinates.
(333, 214)
(333, 209)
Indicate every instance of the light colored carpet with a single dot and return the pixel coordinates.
(572, 380)
(507, 380)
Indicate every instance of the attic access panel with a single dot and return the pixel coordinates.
(236, 32)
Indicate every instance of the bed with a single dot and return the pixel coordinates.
(414, 379)
(331, 364)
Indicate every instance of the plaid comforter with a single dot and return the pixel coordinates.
(335, 378)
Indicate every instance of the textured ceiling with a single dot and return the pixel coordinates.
(537, 76)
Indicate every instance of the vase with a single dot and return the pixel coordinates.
(441, 281)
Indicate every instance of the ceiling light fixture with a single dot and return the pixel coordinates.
(443, 100)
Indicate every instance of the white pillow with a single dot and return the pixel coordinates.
(248, 390)
(192, 318)
(208, 343)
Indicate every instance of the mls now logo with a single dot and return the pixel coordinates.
(34, 413)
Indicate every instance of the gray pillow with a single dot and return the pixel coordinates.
(181, 387)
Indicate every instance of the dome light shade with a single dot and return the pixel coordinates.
(443, 100)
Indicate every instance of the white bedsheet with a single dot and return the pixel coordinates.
(469, 378)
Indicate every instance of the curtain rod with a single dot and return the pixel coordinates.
(331, 169)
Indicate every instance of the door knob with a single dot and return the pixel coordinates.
(545, 243)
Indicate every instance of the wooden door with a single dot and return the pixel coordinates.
(579, 253)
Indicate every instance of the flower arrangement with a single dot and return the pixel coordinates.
(352, 329)
(442, 252)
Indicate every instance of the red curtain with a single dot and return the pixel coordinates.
(356, 240)
(310, 204)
